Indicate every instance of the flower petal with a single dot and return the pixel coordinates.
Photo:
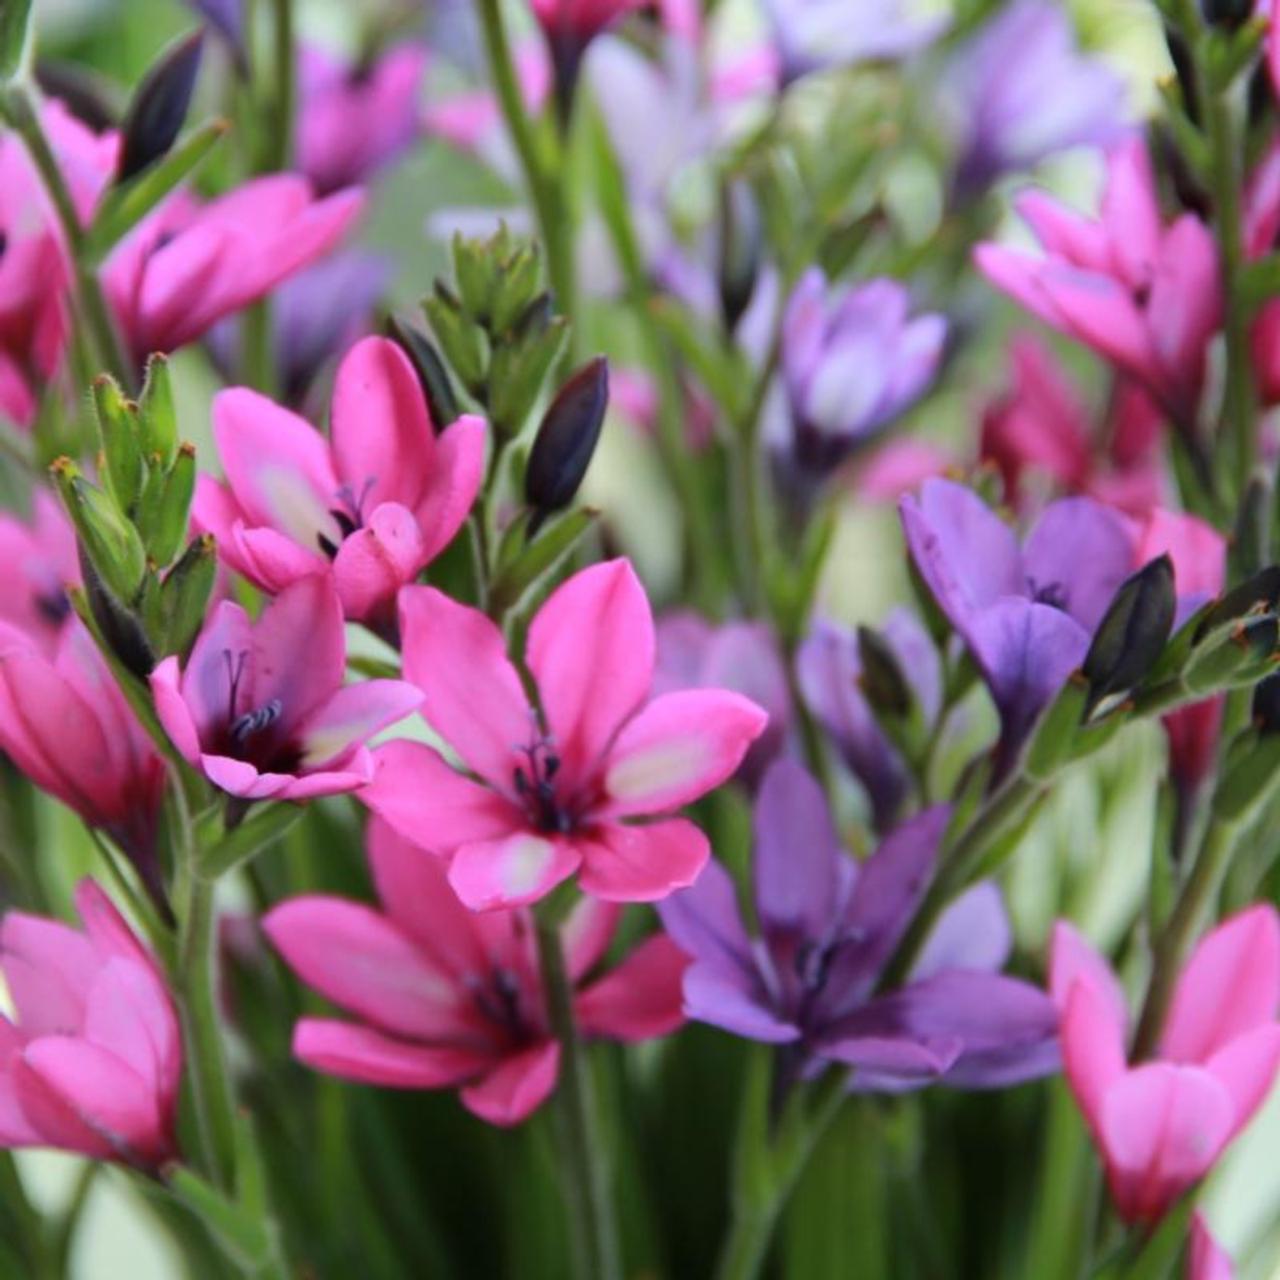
(1246, 1067)
(354, 713)
(455, 479)
(639, 999)
(509, 872)
(642, 863)
(516, 1088)
(1092, 1049)
(361, 1053)
(972, 933)
(377, 560)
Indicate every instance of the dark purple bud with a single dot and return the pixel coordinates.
(1132, 632)
(882, 680)
(155, 116)
(1226, 13)
(431, 371)
(739, 252)
(1261, 593)
(1266, 705)
(1184, 69)
(566, 440)
(85, 93)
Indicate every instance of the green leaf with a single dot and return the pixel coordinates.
(533, 562)
(15, 16)
(249, 839)
(126, 205)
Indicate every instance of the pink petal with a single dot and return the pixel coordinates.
(215, 510)
(678, 748)
(1019, 275)
(82, 1097)
(413, 887)
(586, 934)
(206, 681)
(602, 611)
(639, 999)
(239, 778)
(1230, 985)
(377, 560)
(1206, 1259)
(454, 481)
(299, 652)
(1246, 1068)
(354, 773)
(431, 804)
(272, 560)
(1131, 213)
(1064, 233)
(106, 927)
(361, 1053)
(517, 1088)
(642, 863)
(361, 961)
(1163, 1126)
(172, 710)
(473, 697)
(15, 1128)
(353, 714)
(383, 444)
(1072, 959)
(509, 872)
(1092, 1050)
(48, 969)
(277, 465)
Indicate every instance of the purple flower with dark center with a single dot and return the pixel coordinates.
(829, 668)
(1020, 91)
(828, 927)
(1026, 613)
(852, 362)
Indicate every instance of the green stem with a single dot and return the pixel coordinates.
(1215, 853)
(583, 1160)
(210, 1077)
(17, 108)
(544, 184)
(281, 141)
(32, 1242)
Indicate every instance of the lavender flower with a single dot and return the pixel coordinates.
(829, 668)
(1019, 91)
(828, 927)
(1026, 613)
(852, 362)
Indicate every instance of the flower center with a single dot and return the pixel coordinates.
(1054, 594)
(348, 513)
(535, 785)
(498, 999)
(253, 735)
(53, 606)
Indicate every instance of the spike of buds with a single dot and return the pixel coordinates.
(566, 441)
(1133, 631)
(431, 371)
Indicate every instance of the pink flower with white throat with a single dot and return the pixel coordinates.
(376, 502)
(1162, 1124)
(92, 1060)
(556, 785)
(446, 998)
(260, 707)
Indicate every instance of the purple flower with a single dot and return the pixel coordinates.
(852, 362)
(813, 34)
(1026, 613)
(1019, 91)
(829, 668)
(226, 17)
(828, 927)
(740, 656)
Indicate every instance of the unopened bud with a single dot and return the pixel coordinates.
(1132, 632)
(167, 525)
(159, 107)
(432, 374)
(1266, 705)
(882, 680)
(184, 596)
(157, 413)
(109, 541)
(123, 467)
(463, 342)
(1226, 13)
(566, 440)
(739, 252)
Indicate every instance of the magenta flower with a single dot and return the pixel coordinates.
(1261, 230)
(67, 726)
(1145, 296)
(449, 999)
(355, 118)
(1206, 1258)
(187, 265)
(261, 708)
(1161, 1125)
(829, 668)
(1020, 91)
(38, 562)
(377, 502)
(553, 785)
(93, 1060)
(852, 362)
(693, 653)
(1026, 613)
(828, 927)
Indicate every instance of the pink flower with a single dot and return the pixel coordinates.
(379, 501)
(1206, 1258)
(37, 563)
(1161, 1125)
(1145, 296)
(67, 726)
(261, 707)
(93, 1060)
(353, 119)
(575, 23)
(187, 265)
(1199, 555)
(449, 999)
(1261, 230)
(557, 781)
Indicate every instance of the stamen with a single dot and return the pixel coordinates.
(234, 674)
(245, 726)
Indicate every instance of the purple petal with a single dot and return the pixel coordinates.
(973, 933)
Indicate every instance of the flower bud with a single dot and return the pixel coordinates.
(518, 283)
(566, 441)
(476, 268)
(882, 680)
(158, 417)
(159, 107)
(1226, 13)
(1261, 592)
(166, 525)
(464, 343)
(739, 252)
(185, 593)
(432, 374)
(109, 541)
(521, 364)
(122, 463)
(1266, 705)
(1132, 632)
(1242, 655)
